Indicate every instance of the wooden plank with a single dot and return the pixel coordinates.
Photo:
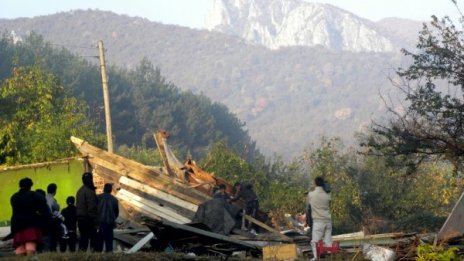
(268, 228)
(158, 193)
(151, 207)
(107, 174)
(141, 243)
(159, 138)
(280, 252)
(151, 223)
(130, 231)
(181, 211)
(362, 236)
(37, 165)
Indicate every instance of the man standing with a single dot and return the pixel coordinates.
(56, 232)
(86, 212)
(108, 211)
(319, 201)
(245, 192)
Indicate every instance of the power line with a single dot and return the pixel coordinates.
(78, 46)
(74, 46)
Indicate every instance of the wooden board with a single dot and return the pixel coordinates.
(268, 228)
(280, 252)
(158, 193)
(200, 233)
(151, 208)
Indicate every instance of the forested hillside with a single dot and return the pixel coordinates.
(142, 101)
(288, 98)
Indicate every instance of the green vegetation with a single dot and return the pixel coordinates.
(367, 192)
(431, 127)
(38, 118)
(427, 252)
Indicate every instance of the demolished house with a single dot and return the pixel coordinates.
(167, 198)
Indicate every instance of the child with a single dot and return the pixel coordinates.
(70, 220)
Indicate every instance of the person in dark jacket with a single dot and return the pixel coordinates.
(108, 211)
(70, 221)
(245, 192)
(45, 225)
(86, 212)
(220, 192)
(29, 208)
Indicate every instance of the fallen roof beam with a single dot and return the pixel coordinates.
(158, 194)
(152, 224)
(268, 228)
(150, 208)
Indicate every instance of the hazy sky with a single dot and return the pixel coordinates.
(191, 13)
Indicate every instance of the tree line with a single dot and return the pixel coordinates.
(142, 102)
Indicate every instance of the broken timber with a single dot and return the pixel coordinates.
(152, 191)
(181, 236)
(146, 190)
(268, 228)
(188, 172)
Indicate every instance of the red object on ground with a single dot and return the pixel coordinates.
(321, 249)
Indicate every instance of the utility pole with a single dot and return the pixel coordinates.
(106, 97)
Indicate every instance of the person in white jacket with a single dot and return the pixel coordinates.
(319, 201)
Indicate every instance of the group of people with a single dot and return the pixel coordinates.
(37, 224)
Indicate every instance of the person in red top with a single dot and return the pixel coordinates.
(29, 209)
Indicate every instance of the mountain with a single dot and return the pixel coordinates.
(402, 32)
(282, 23)
(288, 97)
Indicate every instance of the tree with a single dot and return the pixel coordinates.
(431, 126)
(340, 170)
(226, 164)
(367, 191)
(393, 200)
(38, 118)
